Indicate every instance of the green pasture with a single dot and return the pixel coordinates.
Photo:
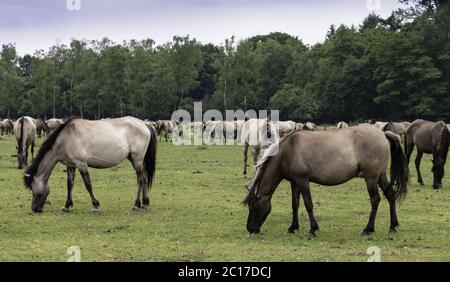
(196, 215)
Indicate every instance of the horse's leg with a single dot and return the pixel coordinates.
(390, 196)
(372, 188)
(418, 160)
(32, 150)
(409, 148)
(245, 158)
(256, 154)
(87, 182)
(306, 194)
(70, 181)
(295, 204)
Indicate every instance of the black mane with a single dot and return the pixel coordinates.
(44, 149)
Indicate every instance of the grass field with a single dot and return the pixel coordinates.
(196, 215)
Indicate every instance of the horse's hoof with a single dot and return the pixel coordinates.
(65, 210)
(367, 233)
(144, 207)
(421, 184)
(135, 209)
(292, 230)
(392, 231)
(96, 211)
(311, 236)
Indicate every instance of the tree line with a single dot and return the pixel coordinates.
(395, 68)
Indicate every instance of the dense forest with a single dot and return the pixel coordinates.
(395, 68)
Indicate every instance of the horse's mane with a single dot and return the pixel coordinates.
(261, 167)
(44, 149)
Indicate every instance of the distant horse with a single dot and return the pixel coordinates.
(380, 125)
(42, 128)
(54, 123)
(7, 127)
(299, 126)
(285, 127)
(166, 127)
(429, 138)
(260, 134)
(329, 158)
(342, 125)
(397, 127)
(309, 126)
(80, 144)
(25, 132)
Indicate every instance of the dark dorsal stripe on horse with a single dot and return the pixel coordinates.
(45, 148)
(20, 145)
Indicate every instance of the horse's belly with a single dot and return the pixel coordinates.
(107, 154)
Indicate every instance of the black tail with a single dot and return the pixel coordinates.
(46, 128)
(399, 167)
(22, 119)
(442, 148)
(150, 157)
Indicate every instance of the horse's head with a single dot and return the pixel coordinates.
(259, 208)
(40, 190)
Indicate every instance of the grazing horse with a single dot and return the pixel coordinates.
(329, 158)
(80, 144)
(397, 127)
(429, 138)
(42, 128)
(7, 127)
(342, 125)
(25, 132)
(260, 134)
(167, 127)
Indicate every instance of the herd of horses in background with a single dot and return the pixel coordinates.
(296, 152)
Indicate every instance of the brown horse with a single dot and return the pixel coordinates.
(397, 127)
(80, 144)
(329, 158)
(42, 128)
(429, 138)
(25, 132)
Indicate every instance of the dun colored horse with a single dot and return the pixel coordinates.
(6, 127)
(260, 134)
(397, 127)
(80, 144)
(429, 138)
(342, 125)
(25, 132)
(329, 158)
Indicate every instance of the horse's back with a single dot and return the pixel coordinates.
(105, 143)
(335, 157)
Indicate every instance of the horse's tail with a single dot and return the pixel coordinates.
(46, 128)
(444, 143)
(150, 157)
(399, 167)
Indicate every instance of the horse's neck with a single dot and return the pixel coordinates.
(47, 164)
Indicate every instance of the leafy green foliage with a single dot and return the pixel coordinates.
(396, 68)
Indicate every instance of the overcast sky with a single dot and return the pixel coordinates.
(38, 24)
